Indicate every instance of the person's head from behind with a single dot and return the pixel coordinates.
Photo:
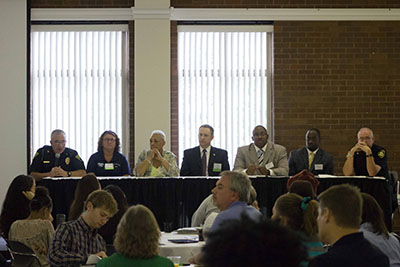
(340, 208)
(313, 137)
(58, 141)
(42, 205)
(206, 135)
(157, 140)
(109, 140)
(16, 203)
(372, 213)
(100, 206)
(253, 198)
(86, 185)
(298, 213)
(137, 233)
(119, 197)
(248, 243)
(232, 186)
(303, 188)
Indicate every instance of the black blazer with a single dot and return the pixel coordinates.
(191, 164)
(298, 161)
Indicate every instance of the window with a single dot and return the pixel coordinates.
(79, 84)
(224, 79)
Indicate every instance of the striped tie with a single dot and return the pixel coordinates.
(260, 157)
(310, 160)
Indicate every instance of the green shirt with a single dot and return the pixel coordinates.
(118, 260)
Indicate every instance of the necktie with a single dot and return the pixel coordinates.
(310, 159)
(204, 163)
(260, 156)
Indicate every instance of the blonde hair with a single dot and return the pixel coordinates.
(301, 213)
(137, 233)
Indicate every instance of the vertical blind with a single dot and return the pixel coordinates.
(222, 81)
(79, 80)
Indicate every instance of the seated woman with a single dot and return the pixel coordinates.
(16, 204)
(375, 231)
(108, 230)
(107, 161)
(136, 241)
(157, 162)
(86, 185)
(299, 214)
(36, 231)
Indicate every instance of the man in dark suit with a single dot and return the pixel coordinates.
(204, 160)
(311, 157)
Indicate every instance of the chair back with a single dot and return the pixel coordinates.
(21, 254)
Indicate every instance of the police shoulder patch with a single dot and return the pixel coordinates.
(36, 154)
(77, 157)
(381, 154)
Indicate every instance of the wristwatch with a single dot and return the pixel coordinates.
(69, 174)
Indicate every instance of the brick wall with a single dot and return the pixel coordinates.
(336, 76)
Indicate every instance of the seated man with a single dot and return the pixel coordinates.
(248, 243)
(339, 218)
(75, 240)
(204, 160)
(311, 157)
(56, 160)
(262, 157)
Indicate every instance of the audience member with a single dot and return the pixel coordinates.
(204, 160)
(306, 176)
(339, 218)
(251, 243)
(157, 162)
(56, 160)
(110, 228)
(374, 229)
(300, 214)
(107, 161)
(75, 240)
(137, 241)
(36, 231)
(86, 185)
(262, 157)
(203, 211)
(16, 203)
(311, 157)
(303, 188)
(230, 195)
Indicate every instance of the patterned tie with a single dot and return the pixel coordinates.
(260, 155)
(310, 160)
(204, 163)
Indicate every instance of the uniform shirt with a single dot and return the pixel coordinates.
(118, 166)
(380, 158)
(73, 242)
(45, 160)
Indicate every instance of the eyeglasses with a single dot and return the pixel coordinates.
(109, 140)
(57, 142)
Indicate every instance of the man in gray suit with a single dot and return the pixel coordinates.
(311, 157)
(262, 157)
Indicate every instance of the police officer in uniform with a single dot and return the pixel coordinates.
(56, 160)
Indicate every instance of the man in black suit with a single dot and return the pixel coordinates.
(204, 160)
(311, 157)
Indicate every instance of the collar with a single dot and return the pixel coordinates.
(264, 148)
(237, 203)
(309, 151)
(86, 228)
(208, 150)
(350, 238)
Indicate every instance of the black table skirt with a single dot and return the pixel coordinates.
(174, 200)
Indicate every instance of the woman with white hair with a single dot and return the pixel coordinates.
(157, 162)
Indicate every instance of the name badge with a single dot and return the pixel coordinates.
(217, 167)
(109, 166)
(319, 167)
(269, 165)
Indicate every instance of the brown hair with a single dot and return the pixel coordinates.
(137, 233)
(345, 203)
(117, 141)
(86, 185)
(301, 213)
(103, 199)
(372, 213)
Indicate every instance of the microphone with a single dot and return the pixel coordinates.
(56, 163)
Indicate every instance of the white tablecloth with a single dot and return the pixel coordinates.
(186, 250)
